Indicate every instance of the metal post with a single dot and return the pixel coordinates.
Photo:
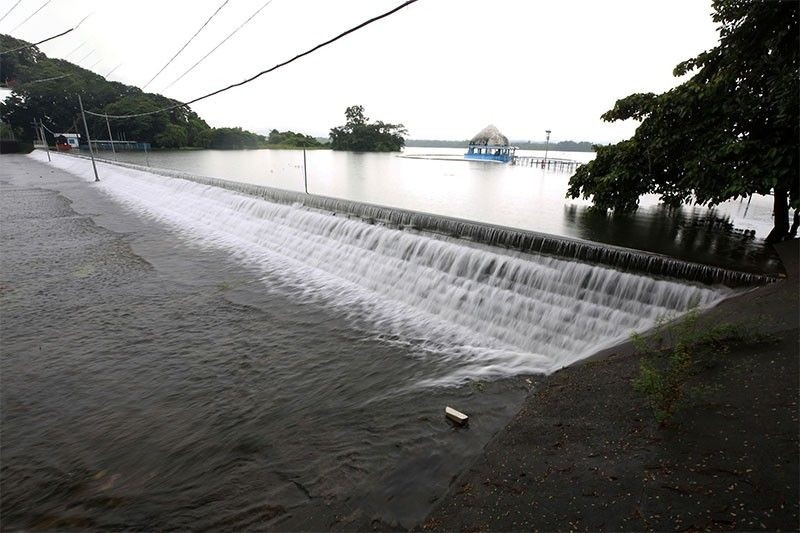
(146, 158)
(546, 144)
(37, 131)
(88, 138)
(111, 139)
(305, 172)
(46, 146)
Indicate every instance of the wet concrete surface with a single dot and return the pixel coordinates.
(147, 383)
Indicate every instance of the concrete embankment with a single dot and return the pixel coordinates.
(585, 452)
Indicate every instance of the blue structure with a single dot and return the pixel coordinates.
(490, 145)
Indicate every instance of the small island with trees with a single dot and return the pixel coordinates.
(359, 135)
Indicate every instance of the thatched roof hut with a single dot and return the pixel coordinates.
(489, 136)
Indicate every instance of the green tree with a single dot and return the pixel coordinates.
(45, 88)
(173, 136)
(234, 139)
(292, 139)
(729, 131)
(359, 135)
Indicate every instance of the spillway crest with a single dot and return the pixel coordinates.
(487, 312)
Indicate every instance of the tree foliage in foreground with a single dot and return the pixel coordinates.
(729, 131)
(359, 135)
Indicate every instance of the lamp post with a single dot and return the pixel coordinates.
(546, 145)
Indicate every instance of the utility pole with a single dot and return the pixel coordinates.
(546, 146)
(88, 138)
(305, 172)
(111, 139)
(37, 131)
(46, 146)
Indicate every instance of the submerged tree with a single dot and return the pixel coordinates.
(361, 136)
(731, 130)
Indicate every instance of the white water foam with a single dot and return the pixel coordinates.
(488, 313)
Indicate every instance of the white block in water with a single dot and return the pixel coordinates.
(456, 416)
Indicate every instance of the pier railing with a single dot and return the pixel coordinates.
(545, 162)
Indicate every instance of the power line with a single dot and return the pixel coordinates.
(75, 49)
(30, 16)
(112, 70)
(45, 127)
(36, 44)
(54, 133)
(78, 62)
(187, 44)
(10, 10)
(48, 39)
(242, 25)
(44, 79)
(267, 71)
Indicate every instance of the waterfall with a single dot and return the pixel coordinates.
(488, 310)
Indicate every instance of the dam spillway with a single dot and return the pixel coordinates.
(503, 303)
(525, 241)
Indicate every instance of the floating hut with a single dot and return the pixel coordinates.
(490, 145)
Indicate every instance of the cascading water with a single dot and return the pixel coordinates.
(490, 312)
(511, 238)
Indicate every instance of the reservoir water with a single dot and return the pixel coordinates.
(182, 356)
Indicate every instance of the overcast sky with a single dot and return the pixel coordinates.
(444, 68)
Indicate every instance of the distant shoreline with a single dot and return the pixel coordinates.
(561, 146)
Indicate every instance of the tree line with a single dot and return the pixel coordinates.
(46, 89)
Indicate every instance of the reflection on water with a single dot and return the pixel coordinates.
(521, 197)
(692, 233)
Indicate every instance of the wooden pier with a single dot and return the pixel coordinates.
(549, 163)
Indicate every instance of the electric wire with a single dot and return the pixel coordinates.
(186, 44)
(43, 80)
(267, 71)
(112, 70)
(242, 25)
(54, 133)
(37, 43)
(78, 62)
(48, 39)
(30, 16)
(75, 49)
(10, 10)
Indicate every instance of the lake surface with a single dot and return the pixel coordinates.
(514, 196)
